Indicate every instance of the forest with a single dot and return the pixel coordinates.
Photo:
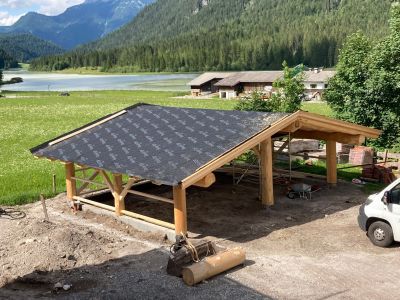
(24, 46)
(192, 35)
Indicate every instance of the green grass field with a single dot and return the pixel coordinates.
(31, 118)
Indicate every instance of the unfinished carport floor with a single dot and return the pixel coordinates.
(229, 211)
(321, 254)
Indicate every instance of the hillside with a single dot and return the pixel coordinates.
(24, 47)
(81, 23)
(6, 61)
(196, 35)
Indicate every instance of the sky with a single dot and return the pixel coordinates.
(12, 10)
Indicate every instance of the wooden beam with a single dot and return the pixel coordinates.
(331, 162)
(180, 215)
(148, 219)
(70, 181)
(206, 182)
(107, 180)
(336, 136)
(89, 181)
(267, 176)
(68, 136)
(149, 196)
(119, 202)
(293, 127)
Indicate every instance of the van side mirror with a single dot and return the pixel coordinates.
(386, 198)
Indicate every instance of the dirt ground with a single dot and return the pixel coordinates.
(300, 249)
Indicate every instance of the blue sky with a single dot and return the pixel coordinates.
(12, 10)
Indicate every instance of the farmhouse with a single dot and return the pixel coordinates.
(231, 84)
(247, 82)
(205, 83)
(315, 82)
(182, 147)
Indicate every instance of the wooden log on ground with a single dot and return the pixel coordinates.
(183, 257)
(213, 265)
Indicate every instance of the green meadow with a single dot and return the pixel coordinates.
(28, 119)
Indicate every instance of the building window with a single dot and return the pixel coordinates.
(313, 85)
(326, 85)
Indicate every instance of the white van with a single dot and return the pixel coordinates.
(380, 216)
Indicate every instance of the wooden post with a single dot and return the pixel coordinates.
(267, 177)
(331, 162)
(180, 215)
(118, 200)
(70, 182)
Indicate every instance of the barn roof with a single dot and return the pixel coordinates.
(250, 77)
(319, 76)
(208, 76)
(163, 144)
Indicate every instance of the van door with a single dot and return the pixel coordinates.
(394, 209)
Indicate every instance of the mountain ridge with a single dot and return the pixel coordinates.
(69, 29)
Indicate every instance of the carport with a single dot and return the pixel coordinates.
(182, 147)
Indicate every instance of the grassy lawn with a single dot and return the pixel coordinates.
(30, 118)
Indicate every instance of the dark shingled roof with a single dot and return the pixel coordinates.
(164, 144)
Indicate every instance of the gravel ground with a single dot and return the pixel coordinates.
(300, 249)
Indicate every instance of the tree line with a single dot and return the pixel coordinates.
(174, 35)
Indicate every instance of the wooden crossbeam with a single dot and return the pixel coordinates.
(334, 136)
(154, 197)
(89, 181)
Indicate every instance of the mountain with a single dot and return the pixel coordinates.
(197, 35)
(24, 46)
(81, 23)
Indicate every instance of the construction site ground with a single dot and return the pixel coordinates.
(299, 249)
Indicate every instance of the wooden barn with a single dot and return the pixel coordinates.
(182, 147)
(205, 83)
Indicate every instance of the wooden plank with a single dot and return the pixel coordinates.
(180, 214)
(322, 122)
(267, 177)
(331, 162)
(86, 128)
(87, 182)
(235, 152)
(206, 182)
(145, 195)
(128, 185)
(94, 203)
(119, 202)
(148, 219)
(107, 180)
(338, 137)
(70, 181)
(389, 155)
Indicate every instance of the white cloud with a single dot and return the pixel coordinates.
(6, 19)
(48, 7)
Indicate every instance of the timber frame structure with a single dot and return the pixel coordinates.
(299, 125)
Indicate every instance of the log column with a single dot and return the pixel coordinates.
(267, 176)
(70, 181)
(118, 201)
(180, 215)
(331, 162)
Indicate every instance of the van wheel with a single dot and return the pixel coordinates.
(380, 234)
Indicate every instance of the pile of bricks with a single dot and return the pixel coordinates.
(378, 173)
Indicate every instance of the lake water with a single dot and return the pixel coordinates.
(74, 82)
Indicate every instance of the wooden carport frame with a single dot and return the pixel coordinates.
(299, 125)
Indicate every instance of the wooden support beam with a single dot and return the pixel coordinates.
(331, 162)
(338, 137)
(293, 127)
(86, 183)
(267, 176)
(70, 181)
(206, 181)
(149, 196)
(107, 180)
(180, 215)
(119, 202)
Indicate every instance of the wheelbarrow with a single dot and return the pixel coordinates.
(302, 191)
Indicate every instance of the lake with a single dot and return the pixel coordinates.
(35, 81)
